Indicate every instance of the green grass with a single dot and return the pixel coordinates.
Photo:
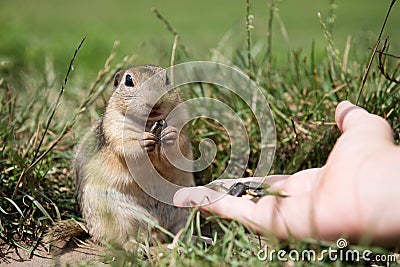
(303, 84)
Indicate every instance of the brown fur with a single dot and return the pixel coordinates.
(114, 207)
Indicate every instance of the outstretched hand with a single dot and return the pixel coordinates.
(355, 194)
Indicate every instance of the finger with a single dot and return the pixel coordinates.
(281, 216)
(342, 109)
(222, 204)
(196, 196)
(350, 117)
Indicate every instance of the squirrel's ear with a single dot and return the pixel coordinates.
(117, 78)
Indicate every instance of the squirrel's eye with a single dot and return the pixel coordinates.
(129, 81)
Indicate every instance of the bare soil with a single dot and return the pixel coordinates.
(60, 255)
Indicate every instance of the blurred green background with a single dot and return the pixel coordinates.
(33, 30)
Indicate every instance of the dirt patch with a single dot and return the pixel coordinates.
(60, 255)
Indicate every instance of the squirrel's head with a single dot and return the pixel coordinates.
(144, 92)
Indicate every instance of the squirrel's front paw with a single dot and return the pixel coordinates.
(169, 135)
(148, 141)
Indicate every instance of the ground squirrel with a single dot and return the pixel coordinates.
(113, 205)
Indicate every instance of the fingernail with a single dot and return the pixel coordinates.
(181, 197)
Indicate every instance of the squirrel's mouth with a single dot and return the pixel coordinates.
(154, 116)
(157, 112)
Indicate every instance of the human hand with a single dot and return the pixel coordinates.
(355, 194)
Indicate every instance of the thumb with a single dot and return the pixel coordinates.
(350, 117)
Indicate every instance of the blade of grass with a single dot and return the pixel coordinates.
(169, 28)
(58, 98)
(364, 79)
(249, 28)
(40, 207)
(14, 204)
(36, 159)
